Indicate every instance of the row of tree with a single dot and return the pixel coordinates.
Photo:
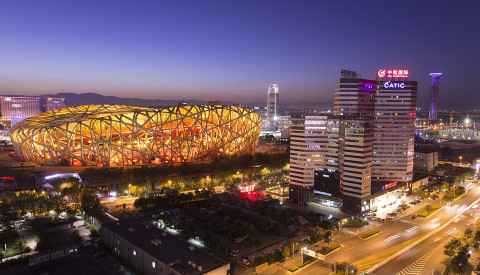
(218, 165)
(457, 249)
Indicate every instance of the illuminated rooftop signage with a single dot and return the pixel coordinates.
(393, 85)
(392, 73)
(247, 188)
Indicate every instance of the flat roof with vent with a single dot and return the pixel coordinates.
(165, 247)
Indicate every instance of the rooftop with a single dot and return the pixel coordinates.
(171, 250)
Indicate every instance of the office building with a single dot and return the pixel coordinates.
(354, 96)
(19, 107)
(425, 160)
(154, 251)
(355, 161)
(313, 145)
(369, 144)
(272, 106)
(434, 95)
(394, 127)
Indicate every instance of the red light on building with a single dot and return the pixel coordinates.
(389, 185)
(393, 73)
(247, 188)
(7, 178)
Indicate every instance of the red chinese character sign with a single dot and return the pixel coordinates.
(389, 185)
(247, 188)
(402, 73)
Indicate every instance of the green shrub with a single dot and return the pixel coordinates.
(429, 209)
(355, 223)
(370, 233)
(327, 249)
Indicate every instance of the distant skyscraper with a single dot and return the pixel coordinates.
(55, 103)
(272, 106)
(434, 95)
(19, 107)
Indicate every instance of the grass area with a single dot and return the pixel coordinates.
(355, 223)
(327, 249)
(370, 233)
(298, 266)
(429, 209)
(15, 251)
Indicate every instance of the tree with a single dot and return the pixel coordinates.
(75, 237)
(459, 263)
(276, 227)
(95, 235)
(286, 251)
(468, 233)
(340, 268)
(452, 246)
(327, 237)
(445, 186)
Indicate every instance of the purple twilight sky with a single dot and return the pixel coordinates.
(232, 50)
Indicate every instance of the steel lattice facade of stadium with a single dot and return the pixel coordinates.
(128, 135)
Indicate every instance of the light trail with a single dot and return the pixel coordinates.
(392, 237)
(412, 228)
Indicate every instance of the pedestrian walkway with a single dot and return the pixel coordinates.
(417, 266)
(317, 208)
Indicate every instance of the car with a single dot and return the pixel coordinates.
(246, 262)
(414, 217)
(235, 253)
(238, 240)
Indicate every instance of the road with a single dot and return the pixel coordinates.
(399, 233)
(428, 257)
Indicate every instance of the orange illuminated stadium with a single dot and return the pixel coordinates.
(127, 135)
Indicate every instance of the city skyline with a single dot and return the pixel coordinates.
(180, 51)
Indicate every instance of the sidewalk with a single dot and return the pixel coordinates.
(317, 208)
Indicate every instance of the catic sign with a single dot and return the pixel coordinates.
(393, 85)
(392, 73)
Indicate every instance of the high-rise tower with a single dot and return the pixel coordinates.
(434, 94)
(394, 126)
(272, 106)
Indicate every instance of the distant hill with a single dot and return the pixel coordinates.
(72, 99)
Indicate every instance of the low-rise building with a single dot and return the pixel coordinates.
(154, 251)
(425, 160)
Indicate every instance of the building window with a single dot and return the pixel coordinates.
(134, 252)
(153, 264)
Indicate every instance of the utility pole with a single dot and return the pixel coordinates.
(335, 268)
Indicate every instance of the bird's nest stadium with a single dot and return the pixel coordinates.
(117, 135)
